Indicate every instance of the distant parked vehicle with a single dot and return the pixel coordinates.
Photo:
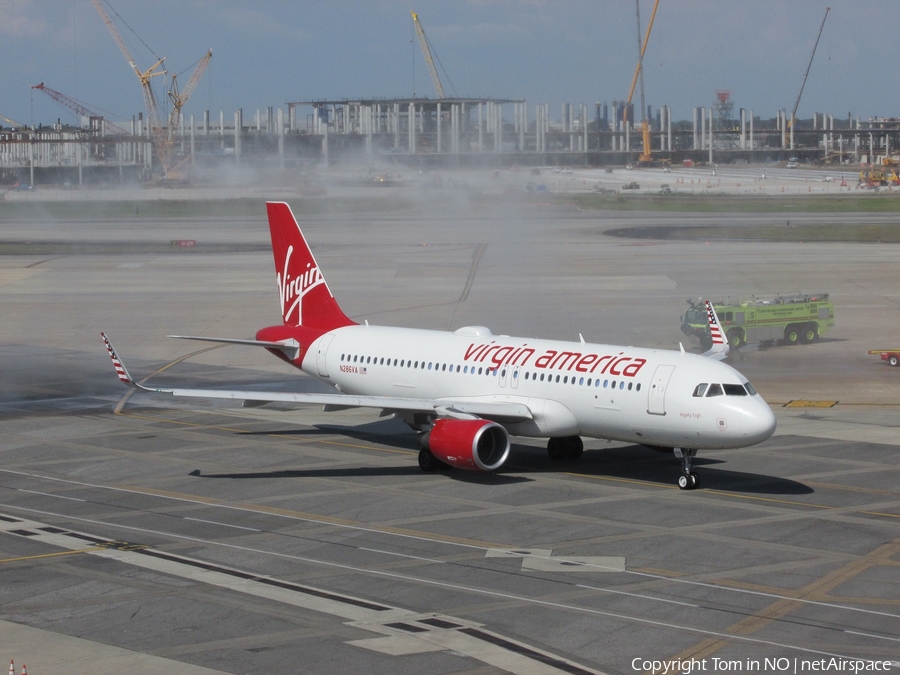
(665, 190)
(792, 165)
(22, 187)
(631, 186)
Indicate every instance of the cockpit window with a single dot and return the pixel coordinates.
(735, 390)
(701, 389)
(714, 390)
(750, 389)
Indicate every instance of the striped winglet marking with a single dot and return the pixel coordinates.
(715, 330)
(117, 364)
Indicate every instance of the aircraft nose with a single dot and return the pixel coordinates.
(762, 424)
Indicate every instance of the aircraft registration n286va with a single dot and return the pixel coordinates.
(469, 390)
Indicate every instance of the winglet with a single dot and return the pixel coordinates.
(121, 371)
(719, 349)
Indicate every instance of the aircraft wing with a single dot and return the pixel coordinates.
(446, 407)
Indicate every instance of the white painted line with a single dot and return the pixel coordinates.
(877, 637)
(574, 564)
(637, 595)
(400, 555)
(213, 522)
(45, 494)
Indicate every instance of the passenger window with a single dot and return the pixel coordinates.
(368, 359)
(354, 358)
(557, 378)
(735, 390)
(479, 370)
(589, 381)
(542, 377)
(580, 380)
(714, 390)
(700, 390)
(638, 387)
(605, 383)
(465, 369)
(566, 379)
(622, 384)
(629, 386)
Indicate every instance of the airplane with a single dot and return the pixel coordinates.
(468, 391)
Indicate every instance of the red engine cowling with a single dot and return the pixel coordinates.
(475, 445)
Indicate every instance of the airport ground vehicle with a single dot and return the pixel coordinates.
(633, 185)
(892, 356)
(468, 391)
(790, 319)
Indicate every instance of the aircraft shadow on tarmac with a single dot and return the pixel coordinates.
(634, 462)
(643, 464)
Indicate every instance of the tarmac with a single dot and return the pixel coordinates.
(144, 534)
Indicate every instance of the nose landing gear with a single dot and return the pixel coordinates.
(687, 480)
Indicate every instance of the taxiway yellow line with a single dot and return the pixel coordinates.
(51, 555)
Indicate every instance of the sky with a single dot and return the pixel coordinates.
(270, 52)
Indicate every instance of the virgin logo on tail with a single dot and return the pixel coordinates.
(292, 289)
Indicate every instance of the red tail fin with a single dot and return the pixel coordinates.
(305, 297)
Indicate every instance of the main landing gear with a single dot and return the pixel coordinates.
(687, 480)
(568, 447)
(428, 462)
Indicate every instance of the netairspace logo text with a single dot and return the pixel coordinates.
(793, 666)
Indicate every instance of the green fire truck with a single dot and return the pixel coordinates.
(788, 319)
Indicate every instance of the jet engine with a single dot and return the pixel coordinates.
(475, 445)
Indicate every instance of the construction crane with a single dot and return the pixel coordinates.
(163, 138)
(647, 155)
(426, 52)
(78, 108)
(144, 77)
(13, 123)
(806, 74)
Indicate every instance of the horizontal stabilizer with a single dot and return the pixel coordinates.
(291, 348)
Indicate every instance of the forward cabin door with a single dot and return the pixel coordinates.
(656, 395)
(321, 352)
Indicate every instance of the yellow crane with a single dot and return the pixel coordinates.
(12, 123)
(647, 155)
(426, 52)
(163, 138)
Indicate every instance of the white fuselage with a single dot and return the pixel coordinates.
(630, 394)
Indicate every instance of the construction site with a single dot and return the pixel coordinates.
(162, 143)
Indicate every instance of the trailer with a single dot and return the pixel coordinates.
(892, 356)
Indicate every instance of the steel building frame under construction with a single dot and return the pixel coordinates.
(423, 132)
(416, 125)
